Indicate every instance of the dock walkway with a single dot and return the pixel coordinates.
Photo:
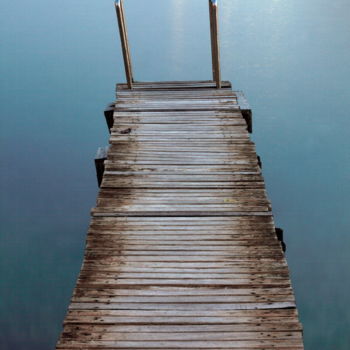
(182, 251)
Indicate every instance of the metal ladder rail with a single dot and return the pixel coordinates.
(214, 35)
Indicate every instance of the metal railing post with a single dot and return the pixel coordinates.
(119, 8)
(214, 34)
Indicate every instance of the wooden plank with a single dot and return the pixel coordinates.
(194, 292)
(289, 314)
(237, 344)
(172, 85)
(193, 336)
(271, 327)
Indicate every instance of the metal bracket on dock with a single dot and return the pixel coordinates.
(245, 109)
(279, 234)
(100, 158)
(259, 161)
(108, 112)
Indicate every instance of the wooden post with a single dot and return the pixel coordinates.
(119, 8)
(214, 33)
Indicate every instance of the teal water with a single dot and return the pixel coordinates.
(58, 65)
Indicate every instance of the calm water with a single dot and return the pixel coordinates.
(59, 63)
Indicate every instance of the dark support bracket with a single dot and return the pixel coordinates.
(259, 162)
(279, 234)
(247, 115)
(101, 156)
(108, 112)
(245, 109)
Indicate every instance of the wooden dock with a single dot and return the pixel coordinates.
(182, 251)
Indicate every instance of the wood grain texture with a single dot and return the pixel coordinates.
(181, 252)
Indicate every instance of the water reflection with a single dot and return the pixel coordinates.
(178, 33)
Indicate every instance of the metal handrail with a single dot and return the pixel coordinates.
(119, 8)
(214, 35)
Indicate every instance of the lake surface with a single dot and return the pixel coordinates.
(58, 66)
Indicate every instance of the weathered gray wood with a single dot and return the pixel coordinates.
(182, 251)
